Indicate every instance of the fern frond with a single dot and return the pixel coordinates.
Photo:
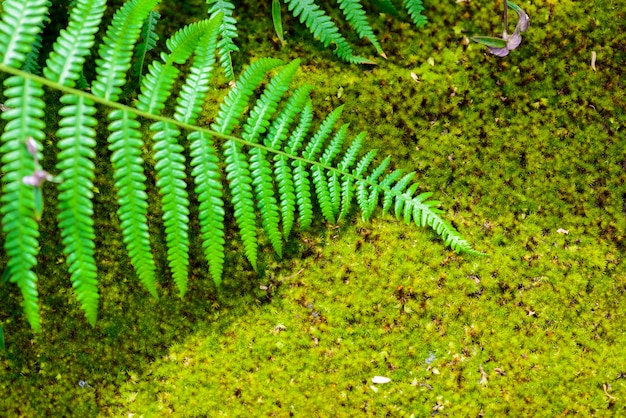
(116, 50)
(19, 26)
(115, 54)
(204, 160)
(296, 181)
(415, 9)
(323, 28)
(208, 179)
(237, 168)
(355, 15)
(77, 141)
(228, 30)
(19, 211)
(257, 124)
(64, 65)
(170, 167)
(125, 144)
(149, 40)
(347, 183)
(170, 162)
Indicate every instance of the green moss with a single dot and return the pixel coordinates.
(526, 154)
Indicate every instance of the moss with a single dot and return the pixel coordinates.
(526, 154)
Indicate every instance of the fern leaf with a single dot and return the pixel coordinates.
(116, 50)
(302, 187)
(355, 15)
(115, 54)
(208, 178)
(317, 142)
(415, 9)
(333, 185)
(170, 167)
(77, 141)
(295, 189)
(346, 162)
(64, 65)
(19, 217)
(228, 30)
(20, 23)
(323, 28)
(323, 194)
(240, 183)
(237, 168)
(257, 124)
(204, 160)
(279, 129)
(170, 162)
(125, 144)
(234, 104)
(149, 41)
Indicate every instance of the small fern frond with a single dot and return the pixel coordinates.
(77, 141)
(204, 159)
(149, 40)
(170, 162)
(116, 50)
(234, 104)
(355, 15)
(170, 167)
(297, 181)
(64, 65)
(323, 28)
(19, 207)
(415, 9)
(228, 30)
(240, 183)
(208, 180)
(20, 24)
(125, 144)
(257, 124)
(237, 167)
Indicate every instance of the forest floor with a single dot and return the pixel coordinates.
(527, 155)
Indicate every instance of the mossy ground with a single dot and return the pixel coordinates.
(527, 155)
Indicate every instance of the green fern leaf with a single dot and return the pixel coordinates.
(334, 185)
(323, 28)
(77, 135)
(355, 15)
(115, 54)
(64, 65)
(228, 30)
(149, 41)
(237, 168)
(20, 24)
(116, 50)
(125, 144)
(19, 212)
(207, 176)
(204, 160)
(257, 124)
(75, 207)
(296, 182)
(170, 162)
(344, 166)
(415, 9)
